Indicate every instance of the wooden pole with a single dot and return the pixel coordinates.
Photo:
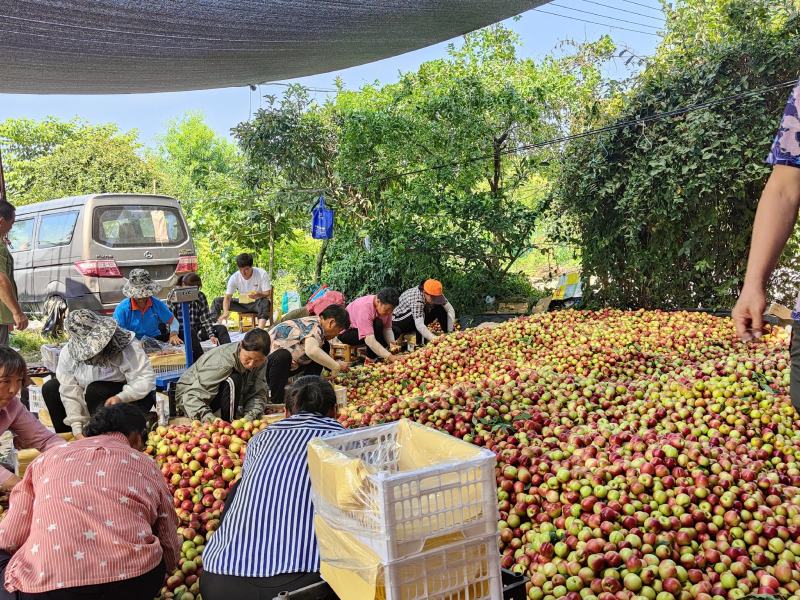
(2, 180)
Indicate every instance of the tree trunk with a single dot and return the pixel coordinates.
(271, 248)
(494, 186)
(2, 181)
(496, 167)
(320, 260)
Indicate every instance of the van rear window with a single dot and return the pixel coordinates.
(126, 226)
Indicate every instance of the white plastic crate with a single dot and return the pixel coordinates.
(50, 356)
(468, 570)
(402, 488)
(171, 363)
(161, 370)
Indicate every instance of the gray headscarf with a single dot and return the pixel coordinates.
(94, 339)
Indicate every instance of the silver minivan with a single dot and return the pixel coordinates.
(79, 249)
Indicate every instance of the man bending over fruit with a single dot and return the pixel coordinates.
(300, 347)
(204, 387)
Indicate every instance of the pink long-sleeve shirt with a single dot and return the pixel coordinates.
(90, 512)
(30, 432)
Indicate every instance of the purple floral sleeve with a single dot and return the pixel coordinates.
(786, 147)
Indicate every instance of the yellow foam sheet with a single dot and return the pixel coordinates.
(27, 456)
(270, 419)
(44, 418)
(355, 572)
(172, 359)
(343, 483)
(349, 567)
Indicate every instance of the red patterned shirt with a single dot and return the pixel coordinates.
(90, 512)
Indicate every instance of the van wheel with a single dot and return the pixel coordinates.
(55, 312)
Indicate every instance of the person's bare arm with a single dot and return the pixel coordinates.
(373, 344)
(8, 298)
(315, 352)
(775, 219)
(266, 294)
(226, 307)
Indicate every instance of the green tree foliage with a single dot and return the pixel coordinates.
(662, 211)
(446, 192)
(290, 148)
(26, 139)
(206, 172)
(51, 159)
(190, 154)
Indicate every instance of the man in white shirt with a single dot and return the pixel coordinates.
(255, 293)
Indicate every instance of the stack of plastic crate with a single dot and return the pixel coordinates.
(404, 512)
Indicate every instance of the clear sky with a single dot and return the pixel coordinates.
(223, 108)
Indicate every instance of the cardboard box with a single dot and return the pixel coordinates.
(783, 314)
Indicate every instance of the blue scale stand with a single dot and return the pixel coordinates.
(183, 296)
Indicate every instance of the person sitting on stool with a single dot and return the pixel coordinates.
(300, 346)
(101, 365)
(91, 519)
(144, 314)
(201, 389)
(419, 307)
(371, 323)
(199, 318)
(253, 282)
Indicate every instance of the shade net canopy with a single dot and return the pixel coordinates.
(123, 46)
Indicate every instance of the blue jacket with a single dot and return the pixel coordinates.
(145, 324)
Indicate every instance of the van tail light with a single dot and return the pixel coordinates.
(98, 268)
(187, 264)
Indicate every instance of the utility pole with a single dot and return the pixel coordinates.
(2, 181)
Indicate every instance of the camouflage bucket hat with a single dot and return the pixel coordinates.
(88, 333)
(140, 285)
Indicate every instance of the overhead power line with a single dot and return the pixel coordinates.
(630, 12)
(655, 117)
(659, 9)
(573, 18)
(609, 17)
(559, 140)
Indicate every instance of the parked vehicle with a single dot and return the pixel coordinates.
(78, 250)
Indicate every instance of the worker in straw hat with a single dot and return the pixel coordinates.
(419, 307)
(144, 314)
(101, 365)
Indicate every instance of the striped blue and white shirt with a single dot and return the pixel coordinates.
(268, 529)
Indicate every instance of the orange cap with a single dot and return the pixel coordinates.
(434, 288)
